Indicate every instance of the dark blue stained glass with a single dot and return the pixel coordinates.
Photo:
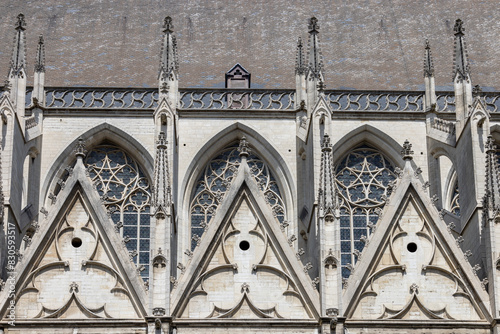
(359, 245)
(373, 219)
(130, 218)
(356, 162)
(345, 272)
(143, 257)
(115, 217)
(376, 192)
(145, 232)
(132, 244)
(345, 246)
(345, 234)
(131, 231)
(359, 221)
(375, 161)
(144, 245)
(358, 232)
(345, 258)
(145, 272)
(145, 218)
(345, 221)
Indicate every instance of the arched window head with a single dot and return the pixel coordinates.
(125, 192)
(454, 203)
(363, 178)
(215, 181)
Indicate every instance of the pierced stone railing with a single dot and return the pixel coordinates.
(443, 125)
(30, 122)
(374, 100)
(492, 100)
(101, 98)
(445, 101)
(255, 99)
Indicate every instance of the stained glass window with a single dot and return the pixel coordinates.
(126, 194)
(363, 178)
(215, 181)
(455, 204)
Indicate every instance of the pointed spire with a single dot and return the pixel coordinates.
(492, 196)
(300, 66)
(428, 63)
(315, 58)
(18, 60)
(169, 64)
(162, 190)
(40, 56)
(328, 194)
(460, 58)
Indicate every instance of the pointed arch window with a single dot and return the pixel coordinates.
(215, 181)
(125, 191)
(363, 178)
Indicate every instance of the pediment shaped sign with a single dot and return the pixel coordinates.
(412, 268)
(76, 267)
(246, 270)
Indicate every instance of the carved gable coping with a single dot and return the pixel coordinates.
(243, 190)
(97, 227)
(380, 258)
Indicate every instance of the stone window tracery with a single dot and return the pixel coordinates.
(215, 181)
(125, 192)
(363, 178)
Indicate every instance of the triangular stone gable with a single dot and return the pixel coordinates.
(244, 267)
(412, 268)
(163, 105)
(76, 266)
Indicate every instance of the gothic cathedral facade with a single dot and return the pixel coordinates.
(305, 210)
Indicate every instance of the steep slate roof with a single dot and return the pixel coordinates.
(369, 45)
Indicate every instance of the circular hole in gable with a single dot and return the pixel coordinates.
(76, 242)
(244, 245)
(412, 247)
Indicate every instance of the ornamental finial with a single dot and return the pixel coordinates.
(20, 24)
(243, 148)
(313, 25)
(80, 150)
(407, 151)
(168, 26)
(458, 28)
